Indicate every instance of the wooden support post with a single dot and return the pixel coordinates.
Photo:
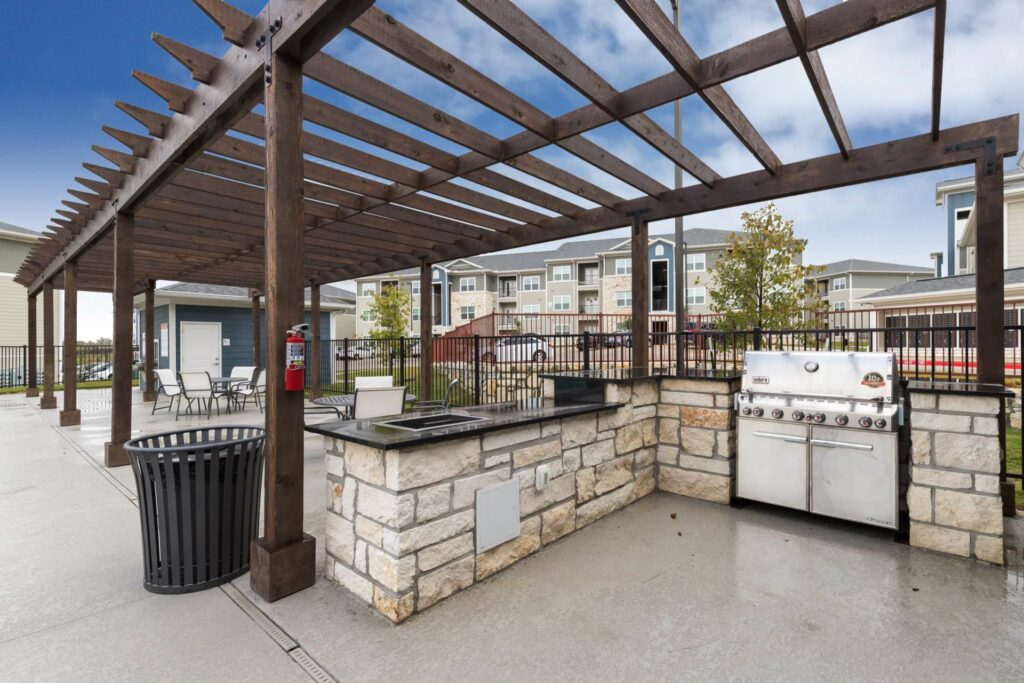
(988, 291)
(121, 387)
(30, 363)
(284, 559)
(314, 361)
(426, 384)
(256, 360)
(149, 395)
(641, 350)
(70, 415)
(48, 401)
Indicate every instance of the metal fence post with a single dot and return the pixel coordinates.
(476, 369)
(24, 368)
(757, 338)
(344, 362)
(401, 361)
(680, 361)
(586, 349)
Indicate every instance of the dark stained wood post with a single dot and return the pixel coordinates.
(33, 372)
(426, 388)
(70, 415)
(121, 387)
(641, 351)
(284, 559)
(48, 401)
(256, 331)
(314, 361)
(149, 351)
(988, 291)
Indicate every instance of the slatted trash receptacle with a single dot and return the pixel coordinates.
(199, 501)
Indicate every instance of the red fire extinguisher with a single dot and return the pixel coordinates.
(295, 359)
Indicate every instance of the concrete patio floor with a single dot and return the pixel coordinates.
(714, 593)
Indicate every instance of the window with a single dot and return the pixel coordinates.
(415, 314)
(696, 263)
(368, 316)
(467, 312)
(531, 308)
(623, 266)
(414, 287)
(563, 328)
(531, 283)
(560, 302)
(963, 214)
(369, 288)
(623, 298)
(561, 273)
(659, 250)
(467, 284)
(840, 306)
(838, 284)
(696, 296)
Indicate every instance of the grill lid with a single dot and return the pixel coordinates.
(822, 374)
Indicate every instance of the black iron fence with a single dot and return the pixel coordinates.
(95, 363)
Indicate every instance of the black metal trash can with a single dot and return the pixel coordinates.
(199, 501)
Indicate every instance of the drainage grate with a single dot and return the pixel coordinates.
(315, 671)
(272, 629)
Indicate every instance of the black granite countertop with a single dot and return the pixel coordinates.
(370, 432)
(964, 388)
(622, 375)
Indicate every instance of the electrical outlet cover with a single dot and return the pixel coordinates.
(497, 514)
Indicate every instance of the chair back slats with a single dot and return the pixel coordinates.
(379, 402)
(374, 382)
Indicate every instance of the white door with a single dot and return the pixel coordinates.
(201, 348)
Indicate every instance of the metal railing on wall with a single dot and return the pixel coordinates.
(94, 364)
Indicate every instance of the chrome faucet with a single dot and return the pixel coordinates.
(446, 402)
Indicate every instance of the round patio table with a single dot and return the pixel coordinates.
(345, 402)
(225, 384)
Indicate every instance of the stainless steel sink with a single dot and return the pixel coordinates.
(422, 423)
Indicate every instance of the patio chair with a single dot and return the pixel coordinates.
(168, 387)
(253, 389)
(198, 387)
(378, 402)
(374, 382)
(248, 375)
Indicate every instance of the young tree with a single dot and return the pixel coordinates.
(391, 309)
(760, 281)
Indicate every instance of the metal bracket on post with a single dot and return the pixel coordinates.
(987, 144)
(266, 40)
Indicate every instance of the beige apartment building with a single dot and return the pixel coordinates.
(843, 284)
(15, 244)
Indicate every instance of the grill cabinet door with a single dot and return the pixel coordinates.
(771, 463)
(854, 475)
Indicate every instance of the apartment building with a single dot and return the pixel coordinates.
(578, 280)
(15, 244)
(843, 284)
(957, 197)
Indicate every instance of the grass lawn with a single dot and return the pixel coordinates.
(98, 384)
(1013, 460)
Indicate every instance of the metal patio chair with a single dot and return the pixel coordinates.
(197, 387)
(169, 387)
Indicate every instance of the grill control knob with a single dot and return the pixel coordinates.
(880, 423)
(819, 417)
(758, 412)
(797, 415)
(864, 422)
(777, 413)
(842, 420)
(746, 411)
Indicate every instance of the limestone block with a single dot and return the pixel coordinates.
(649, 431)
(329, 563)
(433, 502)
(598, 452)
(510, 552)
(329, 445)
(334, 490)
(360, 559)
(425, 465)
(605, 435)
(629, 438)
(399, 543)
(703, 485)
(585, 480)
(924, 401)
(578, 430)
(941, 422)
(726, 441)
(572, 459)
(967, 452)
(340, 538)
(989, 549)
(495, 460)
(986, 425)
(644, 457)
(986, 483)
(698, 441)
(668, 431)
(645, 412)
(550, 428)
(687, 398)
(613, 419)
(509, 437)
(969, 511)
(353, 582)
(558, 521)
(921, 447)
(698, 386)
(707, 418)
(724, 401)
(535, 453)
(713, 465)
(926, 476)
(613, 474)
(369, 530)
(919, 502)
(444, 552)
(984, 405)
(365, 463)
(394, 573)
(666, 410)
(951, 541)
(348, 498)
(644, 481)
(439, 584)
(645, 392)
(335, 465)
(390, 509)
(559, 488)
(597, 508)
(397, 608)
(465, 489)
(618, 393)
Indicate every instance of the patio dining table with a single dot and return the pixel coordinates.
(225, 384)
(343, 403)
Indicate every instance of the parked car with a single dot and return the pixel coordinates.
(355, 352)
(99, 371)
(607, 341)
(519, 348)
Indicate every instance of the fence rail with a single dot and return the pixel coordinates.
(95, 364)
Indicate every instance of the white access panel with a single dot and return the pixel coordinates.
(771, 465)
(497, 514)
(854, 475)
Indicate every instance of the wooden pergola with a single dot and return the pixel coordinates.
(196, 198)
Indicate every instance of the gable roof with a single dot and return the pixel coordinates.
(8, 229)
(856, 265)
(328, 293)
(1011, 276)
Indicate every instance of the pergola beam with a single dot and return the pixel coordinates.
(938, 50)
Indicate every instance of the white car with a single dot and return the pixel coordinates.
(520, 348)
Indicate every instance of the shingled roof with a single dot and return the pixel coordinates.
(327, 292)
(856, 265)
(1012, 276)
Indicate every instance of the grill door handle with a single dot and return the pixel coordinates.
(842, 444)
(781, 437)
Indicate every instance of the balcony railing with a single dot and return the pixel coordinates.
(590, 308)
(506, 293)
(588, 281)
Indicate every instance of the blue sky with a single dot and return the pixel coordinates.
(66, 62)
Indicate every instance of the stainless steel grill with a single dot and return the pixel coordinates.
(818, 431)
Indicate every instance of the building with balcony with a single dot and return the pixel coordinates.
(843, 284)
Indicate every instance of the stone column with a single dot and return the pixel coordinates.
(31, 370)
(70, 415)
(48, 401)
